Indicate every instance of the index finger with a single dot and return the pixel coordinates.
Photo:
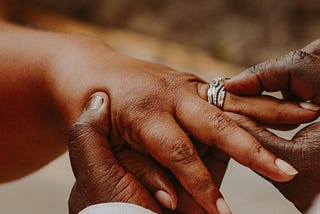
(288, 72)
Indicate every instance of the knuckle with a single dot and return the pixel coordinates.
(132, 118)
(255, 152)
(102, 176)
(220, 122)
(302, 61)
(204, 186)
(182, 153)
(253, 69)
(79, 131)
(83, 132)
(125, 190)
(297, 55)
(190, 77)
(303, 58)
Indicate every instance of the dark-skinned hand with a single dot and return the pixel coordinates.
(297, 76)
(124, 175)
(152, 107)
(302, 151)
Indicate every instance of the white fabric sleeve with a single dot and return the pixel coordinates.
(315, 209)
(115, 208)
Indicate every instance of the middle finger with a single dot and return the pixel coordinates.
(209, 125)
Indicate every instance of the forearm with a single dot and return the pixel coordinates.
(33, 123)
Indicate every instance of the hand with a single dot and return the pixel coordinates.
(124, 175)
(52, 81)
(152, 107)
(100, 177)
(296, 74)
(302, 152)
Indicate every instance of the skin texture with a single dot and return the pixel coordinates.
(48, 77)
(155, 123)
(302, 151)
(103, 175)
(297, 75)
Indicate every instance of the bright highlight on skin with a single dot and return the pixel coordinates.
(285, 167)
(222, 206)
(165, 199)
(309, 106)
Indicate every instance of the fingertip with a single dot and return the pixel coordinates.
(275, 168)
(96, 111)
(286, 167)
(165, 199)
(96, 101)
(309, 106)
(222, 206)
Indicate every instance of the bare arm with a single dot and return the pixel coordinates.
(32, 129)
(37, 100)
(47, 77)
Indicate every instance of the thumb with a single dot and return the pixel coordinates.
(88, 135)
(99, 177)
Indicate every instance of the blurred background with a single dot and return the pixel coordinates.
(208, 37)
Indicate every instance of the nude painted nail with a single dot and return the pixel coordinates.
(94, 103)
(165, 199)
(286, 167)
(222, 206)
(309, 106)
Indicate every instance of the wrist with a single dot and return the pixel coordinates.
(71, 75)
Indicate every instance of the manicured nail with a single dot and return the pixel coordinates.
(94, 103)
(285, 167)
(165, 199)
(309, 106)
(222, 206)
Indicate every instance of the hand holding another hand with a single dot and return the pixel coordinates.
(152, 107)
(302, 151)
(297, 76)
(124, 175)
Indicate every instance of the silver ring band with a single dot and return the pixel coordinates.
(216, 92)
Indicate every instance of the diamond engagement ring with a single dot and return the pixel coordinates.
(216, 92)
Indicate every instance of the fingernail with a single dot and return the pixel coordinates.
(285, 167)
(94, 103)
(165, 199)
(309, 106)
(222, 206)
